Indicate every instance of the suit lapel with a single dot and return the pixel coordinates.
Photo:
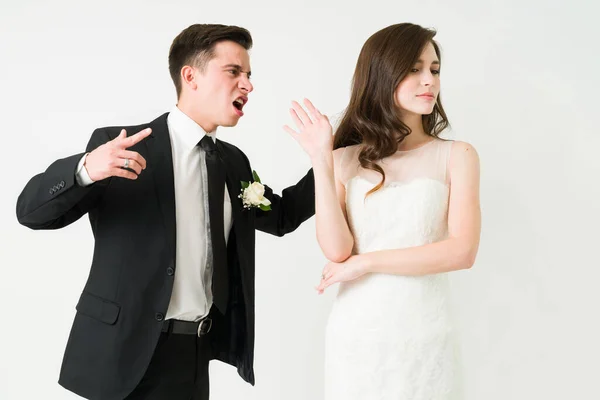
(234, 185)
(243, 226)
(160, 162)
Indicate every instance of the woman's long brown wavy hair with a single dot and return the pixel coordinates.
(372, 117)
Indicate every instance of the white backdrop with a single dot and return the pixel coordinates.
(519, 82)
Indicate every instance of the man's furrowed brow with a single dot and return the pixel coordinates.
(237, 67)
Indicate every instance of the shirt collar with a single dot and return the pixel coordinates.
(186, 129)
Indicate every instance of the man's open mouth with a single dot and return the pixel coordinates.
(240, 102)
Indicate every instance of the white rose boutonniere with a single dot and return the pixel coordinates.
(253, 194)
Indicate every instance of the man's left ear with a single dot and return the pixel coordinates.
(188, 76)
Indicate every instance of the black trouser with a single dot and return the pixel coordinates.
(178, 369)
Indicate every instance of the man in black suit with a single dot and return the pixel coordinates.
(171, 284)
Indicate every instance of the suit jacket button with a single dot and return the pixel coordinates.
(159, 316)
(170, 271)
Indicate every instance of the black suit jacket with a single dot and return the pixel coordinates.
(120, 312)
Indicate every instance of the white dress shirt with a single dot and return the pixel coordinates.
(191, 298)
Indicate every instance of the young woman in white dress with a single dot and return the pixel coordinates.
(397, 209)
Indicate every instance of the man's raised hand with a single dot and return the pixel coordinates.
(112, 157)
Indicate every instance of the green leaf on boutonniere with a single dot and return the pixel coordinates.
(255, 176)
(265, 208)
(245, 184)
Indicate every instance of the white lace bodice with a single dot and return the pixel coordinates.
(411, 208)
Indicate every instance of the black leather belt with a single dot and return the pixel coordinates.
(199, 328)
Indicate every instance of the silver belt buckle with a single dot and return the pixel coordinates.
(204, 331)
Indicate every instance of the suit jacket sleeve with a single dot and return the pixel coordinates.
(54, 199)
(295, 205)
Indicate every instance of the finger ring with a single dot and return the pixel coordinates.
(126, 165)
